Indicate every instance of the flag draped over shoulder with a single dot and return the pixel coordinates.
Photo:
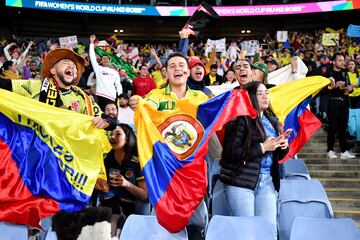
(172, 148)
(118, 63)
(50, 159)
(289, 102)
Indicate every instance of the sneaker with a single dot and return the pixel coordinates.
(331, 154)
(346, 154)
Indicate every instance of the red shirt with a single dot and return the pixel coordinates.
(142, 86)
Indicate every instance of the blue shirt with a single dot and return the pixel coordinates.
(266, 160)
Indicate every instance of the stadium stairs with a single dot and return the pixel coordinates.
(340, 177)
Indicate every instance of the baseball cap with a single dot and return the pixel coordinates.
(262, 67)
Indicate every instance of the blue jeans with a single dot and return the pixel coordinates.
(244, 202)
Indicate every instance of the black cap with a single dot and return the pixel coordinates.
(124, 95)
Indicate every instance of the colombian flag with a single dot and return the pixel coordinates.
(172, 148)
(289, 102)
(50, 159)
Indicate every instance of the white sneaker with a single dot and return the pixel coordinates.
(346, 154)
(331, 154)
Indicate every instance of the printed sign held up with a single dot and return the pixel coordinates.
(68, 42)
(328, 39)
(219, 44)
(250, 47)
(282, 36)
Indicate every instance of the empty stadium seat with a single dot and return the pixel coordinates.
(237, 228)
(142, 208)
(51, 235)
(142, 227)
(219, 205)
(9, 231)
(295, 169)
(300, 198)
(320, 228)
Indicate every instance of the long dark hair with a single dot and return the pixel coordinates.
(130, 138)
(251, 89)
(356, 69)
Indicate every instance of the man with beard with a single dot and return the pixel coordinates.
(61, 70)
(111, 110)
(125, 113)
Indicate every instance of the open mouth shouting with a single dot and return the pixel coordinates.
(69, 72)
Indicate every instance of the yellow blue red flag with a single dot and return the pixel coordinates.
(50, 159)
(172, 146)
(289, 102)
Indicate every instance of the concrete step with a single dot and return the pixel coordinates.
(319, 144)
(341, 202)
(340, 182)
(353, 213)
(342, 192)
(334, 174)
(334, 167)
(325, 160)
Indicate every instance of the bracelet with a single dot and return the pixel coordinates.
(293, 72)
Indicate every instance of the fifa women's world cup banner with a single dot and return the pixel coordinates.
(182, 11)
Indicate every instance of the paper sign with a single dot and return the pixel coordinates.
(353, 31)
(250, 47)
(327, 39)
(68, 42)
(220, 45)
(282, 36)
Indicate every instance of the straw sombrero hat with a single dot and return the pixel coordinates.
(62, 53)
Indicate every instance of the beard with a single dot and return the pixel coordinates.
(123, 105)
(63, 81)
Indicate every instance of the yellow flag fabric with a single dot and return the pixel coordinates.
(284, 98)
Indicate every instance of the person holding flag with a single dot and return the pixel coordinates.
(61, 70)
(249, 164)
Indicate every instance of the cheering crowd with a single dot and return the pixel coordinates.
(88, 80)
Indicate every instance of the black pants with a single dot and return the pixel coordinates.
(102, 102)
(354, 102)
(338, 115)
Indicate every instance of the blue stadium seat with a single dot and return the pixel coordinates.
(296, 169)
(51, 235)
(237, 228)
(300, 198)
(9, 231)
(320, 228)
(142, 208)
(219, 205)
(142, 227)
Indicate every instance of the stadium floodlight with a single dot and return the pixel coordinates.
(121, 30)
(248, 31)
(242, 31)
(115, 31)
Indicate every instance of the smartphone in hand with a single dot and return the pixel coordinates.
(288, 132)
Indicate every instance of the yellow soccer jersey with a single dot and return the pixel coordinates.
(165, 99)
(73, 99)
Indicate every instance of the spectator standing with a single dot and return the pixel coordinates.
(108, 85)
(249, 164)
(213, 78)
(143, 84)
(338, 107)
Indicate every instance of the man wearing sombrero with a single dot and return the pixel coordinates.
(61, 72)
